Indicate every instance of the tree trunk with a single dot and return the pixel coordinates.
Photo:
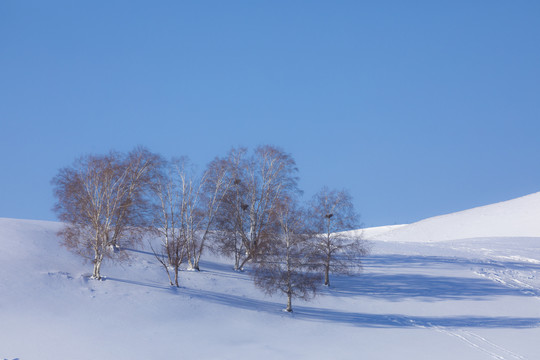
(193, 261)
(199, 253)
(168, 275)
(252, 231)
(289, 302)
(176, 276)
(244, 262)
(326, 275)
(97, 266)
(236, 261)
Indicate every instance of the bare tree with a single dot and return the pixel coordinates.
(102, 200)
(207, 194)
(331, 213)
(186, 208)
(286, 265)
(259, 181)
(227, 238)
(168, 220)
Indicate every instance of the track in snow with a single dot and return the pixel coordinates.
(482, 344)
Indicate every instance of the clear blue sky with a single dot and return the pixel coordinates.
(419, 108)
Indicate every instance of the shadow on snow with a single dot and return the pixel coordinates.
(389, 261)
(393, 287)
(396, 287)
(361, 319)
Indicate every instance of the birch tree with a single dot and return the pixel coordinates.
(286, 266)
(331, 213)
(103, 202)
(205, 199)
(186, 208)
(168, 221)
(259, 181)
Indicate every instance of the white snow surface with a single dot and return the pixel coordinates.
(465, 286)
(517, 217)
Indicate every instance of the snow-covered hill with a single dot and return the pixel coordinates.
(514, 218)
(417, 298)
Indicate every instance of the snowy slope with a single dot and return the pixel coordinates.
(514, 218)
(456, 299)
(374, 233)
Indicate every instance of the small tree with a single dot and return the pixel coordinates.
(203, 198)
(286, 265)
(331, 213)
(168, 221)
(102, 200)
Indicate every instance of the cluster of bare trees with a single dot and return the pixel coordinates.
(245, 205)
(186, 209)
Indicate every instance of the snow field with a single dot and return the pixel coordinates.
(474, 297)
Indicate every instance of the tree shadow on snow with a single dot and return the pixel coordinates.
(141, 283)
(396, 287)
(384, 286)
(402, 321)
(390, 261)
(362, 319)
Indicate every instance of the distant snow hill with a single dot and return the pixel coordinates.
(513, 218)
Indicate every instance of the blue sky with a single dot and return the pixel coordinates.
(419, 108)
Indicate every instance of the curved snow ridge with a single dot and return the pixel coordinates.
(513, 218)
(372, 232)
